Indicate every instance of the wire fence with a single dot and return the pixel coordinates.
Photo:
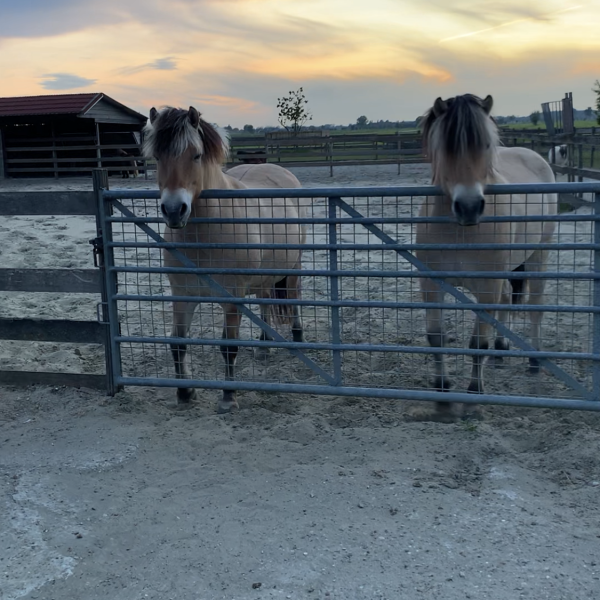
(361, 303)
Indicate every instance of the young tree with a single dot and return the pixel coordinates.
(534, 117)
(362, 121)
(249, 128)
(596, 89)
(293, 112)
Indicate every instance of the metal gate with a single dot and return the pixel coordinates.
(362, 310)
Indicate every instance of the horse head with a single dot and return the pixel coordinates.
(461, 139)
(187, 150)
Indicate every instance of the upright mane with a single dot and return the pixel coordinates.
(459, 127)
(172, 132)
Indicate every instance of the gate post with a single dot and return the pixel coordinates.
(335, 295)
(596, 317)
(108, 282)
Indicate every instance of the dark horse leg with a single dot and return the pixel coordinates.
(183, 313)
(294, 293)
(231, 330)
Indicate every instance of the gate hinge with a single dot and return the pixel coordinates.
(98, 250)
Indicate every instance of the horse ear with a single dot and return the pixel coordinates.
(439, 107)
(153, 115)
(487, 104)
(194, 117)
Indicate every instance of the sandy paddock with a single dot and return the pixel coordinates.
(309, 497)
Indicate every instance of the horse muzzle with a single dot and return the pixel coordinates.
(468, 211)
(175, 207)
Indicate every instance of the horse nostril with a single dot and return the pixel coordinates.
(183, 209)
(163, 210)
(482, 206)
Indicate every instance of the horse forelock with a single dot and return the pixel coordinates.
(172, 133)
(463, 130)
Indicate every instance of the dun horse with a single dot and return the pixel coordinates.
(462, 141)
(189, 154)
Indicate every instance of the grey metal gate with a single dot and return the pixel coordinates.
(361, 306)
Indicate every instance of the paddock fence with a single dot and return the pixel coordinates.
(361, 305)
(61, 282)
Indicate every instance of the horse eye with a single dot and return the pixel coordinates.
(197, 157)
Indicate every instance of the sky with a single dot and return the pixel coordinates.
(232, 59)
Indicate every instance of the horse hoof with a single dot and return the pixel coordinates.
(471, 412)
(262, 354)
(298, 335)
(186, 395)
(534, 366)
(226, 406)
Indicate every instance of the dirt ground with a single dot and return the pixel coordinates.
(299, 497)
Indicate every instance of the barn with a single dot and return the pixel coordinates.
(67, 135)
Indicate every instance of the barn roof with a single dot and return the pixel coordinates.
(59, 104)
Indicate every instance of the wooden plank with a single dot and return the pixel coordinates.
(69, 148)
(49, 140)
(74, 159)
(47, 203)
(52, 330)
(27, 378)
(2, 174)
(589, 173)
(72, 281)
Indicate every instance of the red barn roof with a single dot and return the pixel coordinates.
(65, 104)
(59, 104)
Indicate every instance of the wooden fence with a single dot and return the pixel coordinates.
(329, 150)
(68, 155)
(68, 281)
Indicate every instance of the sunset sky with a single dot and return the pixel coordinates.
(386, 59)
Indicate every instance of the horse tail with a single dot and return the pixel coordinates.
(281, 313)
(518, 286)
(287, 288)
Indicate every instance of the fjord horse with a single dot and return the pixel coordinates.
(189, 154)
(462, 142)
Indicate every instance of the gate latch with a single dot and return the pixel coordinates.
(98, 250)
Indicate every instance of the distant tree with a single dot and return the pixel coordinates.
(534, 117)
(361, 122)
(293, 112)
(249, 128)
(588, 112)
(596, 89)
(228, 128)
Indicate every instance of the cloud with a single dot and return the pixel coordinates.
(160, 64)
(65, 81)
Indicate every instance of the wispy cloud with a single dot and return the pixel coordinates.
(160, 64)
(65, 81)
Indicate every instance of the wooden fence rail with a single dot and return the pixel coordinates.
(68, 281)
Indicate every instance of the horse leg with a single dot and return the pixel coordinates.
(487, 292)
(265, 315)
(436, 337)
(294, 293)
(231, 330)
(501, 343)
(183, 313)
(536, 262)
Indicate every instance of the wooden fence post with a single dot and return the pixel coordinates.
(592, 157)
(2, 172)
(580, 161)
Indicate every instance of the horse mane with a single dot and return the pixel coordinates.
(172, 132)
(464, 129)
